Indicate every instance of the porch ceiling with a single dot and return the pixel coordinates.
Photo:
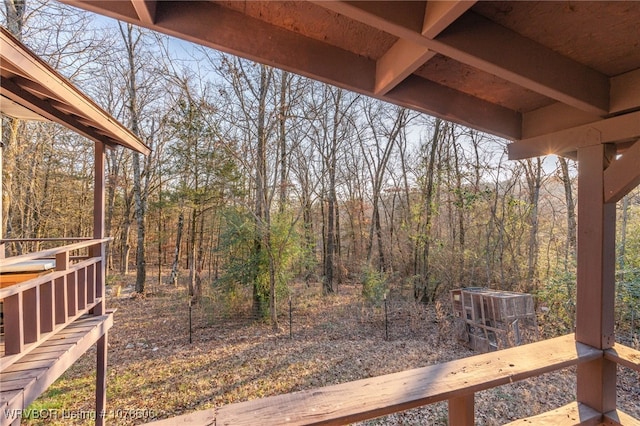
(31, 89)
(519, 70)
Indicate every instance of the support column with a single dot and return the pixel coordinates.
(596, 380)
(98, 223)
(101, 381)
(461, 410)
(99, 309)
(2, 247)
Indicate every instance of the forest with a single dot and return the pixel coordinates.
(259, 178)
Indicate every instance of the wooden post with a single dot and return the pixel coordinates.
(98, 225)
(61, 296)
(91, 283)
(101, 380)
(72, 294)
(14, 327)
(596, 380)
(47, 310)
(2, 248)
(31, 314)
(461, 410)
(99, 276)
(81, 281)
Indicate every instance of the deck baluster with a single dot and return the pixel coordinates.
(13, 328)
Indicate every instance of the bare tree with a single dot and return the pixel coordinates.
(570, 246)
(131, 39)
(533, 174)
(385, 130)
(332, 126)
(423, 290)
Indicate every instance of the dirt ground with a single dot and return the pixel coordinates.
(155, 372)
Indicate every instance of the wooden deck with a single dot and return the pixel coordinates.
(53, 312)
(569, 415)
(23, 381)
(455, 381)
(40, 306)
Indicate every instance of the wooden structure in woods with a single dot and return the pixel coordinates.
(53, 300)
(553, 77)
(491, 319)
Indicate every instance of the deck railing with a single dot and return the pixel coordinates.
(38, 307)
(456, 382)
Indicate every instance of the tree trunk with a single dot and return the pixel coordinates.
(421, 292)
(173, 279)
(330, 247)
(140, 212)
(160, 234)
(114, 171)
(126, 247)
(261, 216)
(191, 255)
(15, 16)
(534, 181)
(139, 193)
(282, 140)
(623, 239)
(377, 171)
(570, 245)
(200, 258)
(460, 253)
(14, 10)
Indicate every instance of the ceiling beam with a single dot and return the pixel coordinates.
(33, 87)
(48, 84)
(229, 31)
(612, 130)
(398, 63)
(43, 108)
(625, 91)
(405, 56)
(215, 26)
(622, 175)
(121, 10)
(15, 110)
(427, 96)
(473, 40)
(376, 17)
(440, 14)
(552, 118)
(9, 70)
(212, 25)
(146, 10)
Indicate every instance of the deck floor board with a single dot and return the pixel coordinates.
(16, 375)
(24, 380)
(571, 414)
(40, 356)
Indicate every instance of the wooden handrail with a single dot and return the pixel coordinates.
(624, 355)
(43, 240)
(52, 276)
(51, 252)
(9, 360)
(453, 381)
(39, 306)
(378, 396)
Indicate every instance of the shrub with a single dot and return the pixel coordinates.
(374, 285)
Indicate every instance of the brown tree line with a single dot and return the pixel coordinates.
(259, 177)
